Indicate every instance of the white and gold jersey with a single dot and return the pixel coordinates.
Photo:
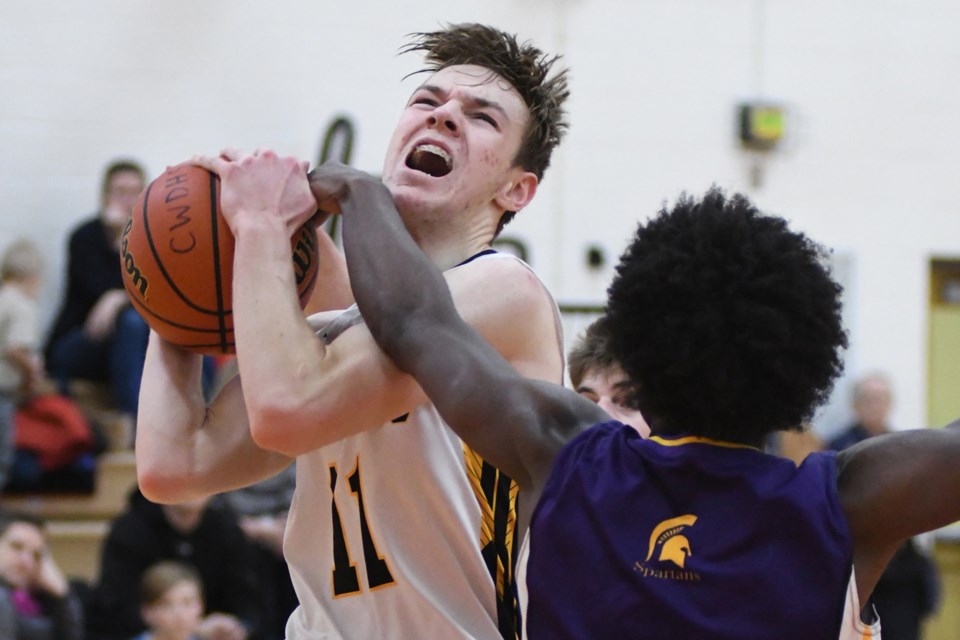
(402, 532)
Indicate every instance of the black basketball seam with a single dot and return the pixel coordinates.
(165, 320)
(313, 278)
(215, 235)
(159, 262)
(221, 347)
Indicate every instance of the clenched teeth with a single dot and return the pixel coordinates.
(430, 159)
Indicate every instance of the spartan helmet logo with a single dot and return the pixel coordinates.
(666, 536)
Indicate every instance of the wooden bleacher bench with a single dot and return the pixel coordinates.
(76, 545)
(116, 476)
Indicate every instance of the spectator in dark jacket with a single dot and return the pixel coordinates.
(202, 534)
(97, 334)
(262, 509)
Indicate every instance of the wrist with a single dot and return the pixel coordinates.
(257, 223)
(261, 242)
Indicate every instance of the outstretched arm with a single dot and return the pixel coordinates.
(516, 423)
(895, 486)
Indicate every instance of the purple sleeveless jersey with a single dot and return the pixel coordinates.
(686, 538)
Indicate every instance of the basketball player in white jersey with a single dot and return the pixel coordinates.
(397, 529)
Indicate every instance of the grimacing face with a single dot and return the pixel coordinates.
(608, 388)
(454, 146)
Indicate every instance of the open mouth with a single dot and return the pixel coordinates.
(431, 160)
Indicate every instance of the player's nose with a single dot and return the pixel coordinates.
(444, 117)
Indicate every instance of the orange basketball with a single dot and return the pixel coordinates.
(176, 255)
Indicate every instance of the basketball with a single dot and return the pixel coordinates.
(176, 256)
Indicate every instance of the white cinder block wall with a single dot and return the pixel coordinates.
(869, 167)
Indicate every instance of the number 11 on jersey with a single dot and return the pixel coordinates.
(346, 581)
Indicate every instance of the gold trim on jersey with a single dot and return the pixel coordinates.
(496, 494)
(676, 442)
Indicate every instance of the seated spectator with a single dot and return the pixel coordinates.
(872, 402)
(21, 370)
(262, 509)
(595, 373)
(97, 335)
(171, 602)
(908, 591)
(35, 599)
(45, 441)
(203, 534)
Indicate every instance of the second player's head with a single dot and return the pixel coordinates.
(596, 374)
(726, 321)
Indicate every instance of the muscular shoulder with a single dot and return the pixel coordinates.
(510, 307)
(501, 282)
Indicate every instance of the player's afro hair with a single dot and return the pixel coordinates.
(727, 323)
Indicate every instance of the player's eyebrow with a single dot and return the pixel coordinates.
(472, 100)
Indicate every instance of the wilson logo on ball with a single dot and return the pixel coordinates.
(304, 252)
(137, 280)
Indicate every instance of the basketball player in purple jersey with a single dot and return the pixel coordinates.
(728, 326)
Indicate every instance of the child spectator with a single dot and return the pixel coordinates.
(171, 602)
(202, 533)
(20, 365)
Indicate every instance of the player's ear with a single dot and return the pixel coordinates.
(518, 190)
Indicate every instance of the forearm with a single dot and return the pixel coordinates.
(393, 281)
(279, 355)
(170, 415)
(906, 473)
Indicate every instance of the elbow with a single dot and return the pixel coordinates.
(162, 487)
(294, 424)
(268, 434)
(285, 427)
